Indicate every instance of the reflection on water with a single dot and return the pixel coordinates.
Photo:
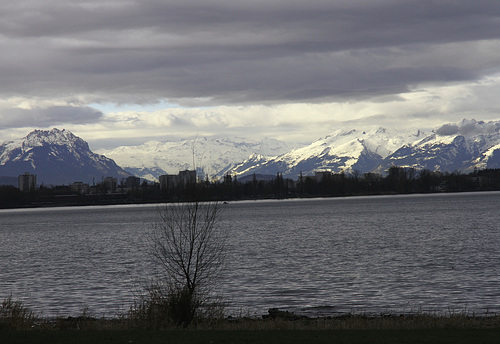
(433, 253)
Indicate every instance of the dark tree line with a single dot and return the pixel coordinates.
(398, 180)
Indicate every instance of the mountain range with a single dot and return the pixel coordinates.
(343, 150)
(59, 157)
(210, 156)
(451, 147)
(460, 147)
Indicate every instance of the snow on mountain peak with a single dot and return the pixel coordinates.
(209, 155)
(56, 156)
(452, 146)
(38, 138)
(342, 150)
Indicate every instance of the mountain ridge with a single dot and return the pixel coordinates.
(56, 157)
(464, 146)
(210, 156)
(460, 146)
(344, 150)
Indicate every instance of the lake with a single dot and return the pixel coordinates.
(434, 253)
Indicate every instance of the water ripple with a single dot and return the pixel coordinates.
(434, 253)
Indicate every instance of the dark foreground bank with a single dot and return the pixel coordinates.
(256, 336)
(20, 325)
(290, 329)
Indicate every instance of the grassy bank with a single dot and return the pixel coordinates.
(19, 325)
(347, 329)
(258, 336)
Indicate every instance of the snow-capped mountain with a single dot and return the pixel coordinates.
(209, 155)
(343, 150)
(461, 147)
(56, 157)
(452, 147)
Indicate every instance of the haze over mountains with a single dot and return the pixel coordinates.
(59, 157)
(210, 156)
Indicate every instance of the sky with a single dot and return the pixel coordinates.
(122, 72)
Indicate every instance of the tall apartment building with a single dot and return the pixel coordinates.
(27, 182)
(109, 184)
(187, 177)
(171, 181)
(133, 183)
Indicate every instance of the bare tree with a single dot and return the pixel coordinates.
(193, 150)
(189, 248)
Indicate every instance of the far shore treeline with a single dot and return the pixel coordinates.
(324, 184)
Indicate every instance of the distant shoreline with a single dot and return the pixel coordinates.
(111, 202)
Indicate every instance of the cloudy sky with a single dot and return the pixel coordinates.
(120, 72)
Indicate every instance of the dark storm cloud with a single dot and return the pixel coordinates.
(41, 117)
(232, 52)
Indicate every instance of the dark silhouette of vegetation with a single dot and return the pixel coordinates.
(398, 180)
(18, 324)
(14, 315)
(11, 197)
(188, 247)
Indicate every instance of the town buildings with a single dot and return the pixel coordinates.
(172, 181)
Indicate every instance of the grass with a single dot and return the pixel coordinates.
(14, 315)
(457, 336)
(19, 325)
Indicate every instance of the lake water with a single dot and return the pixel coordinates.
(390, 254)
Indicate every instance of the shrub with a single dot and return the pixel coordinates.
(189, 249)
(14, 315)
